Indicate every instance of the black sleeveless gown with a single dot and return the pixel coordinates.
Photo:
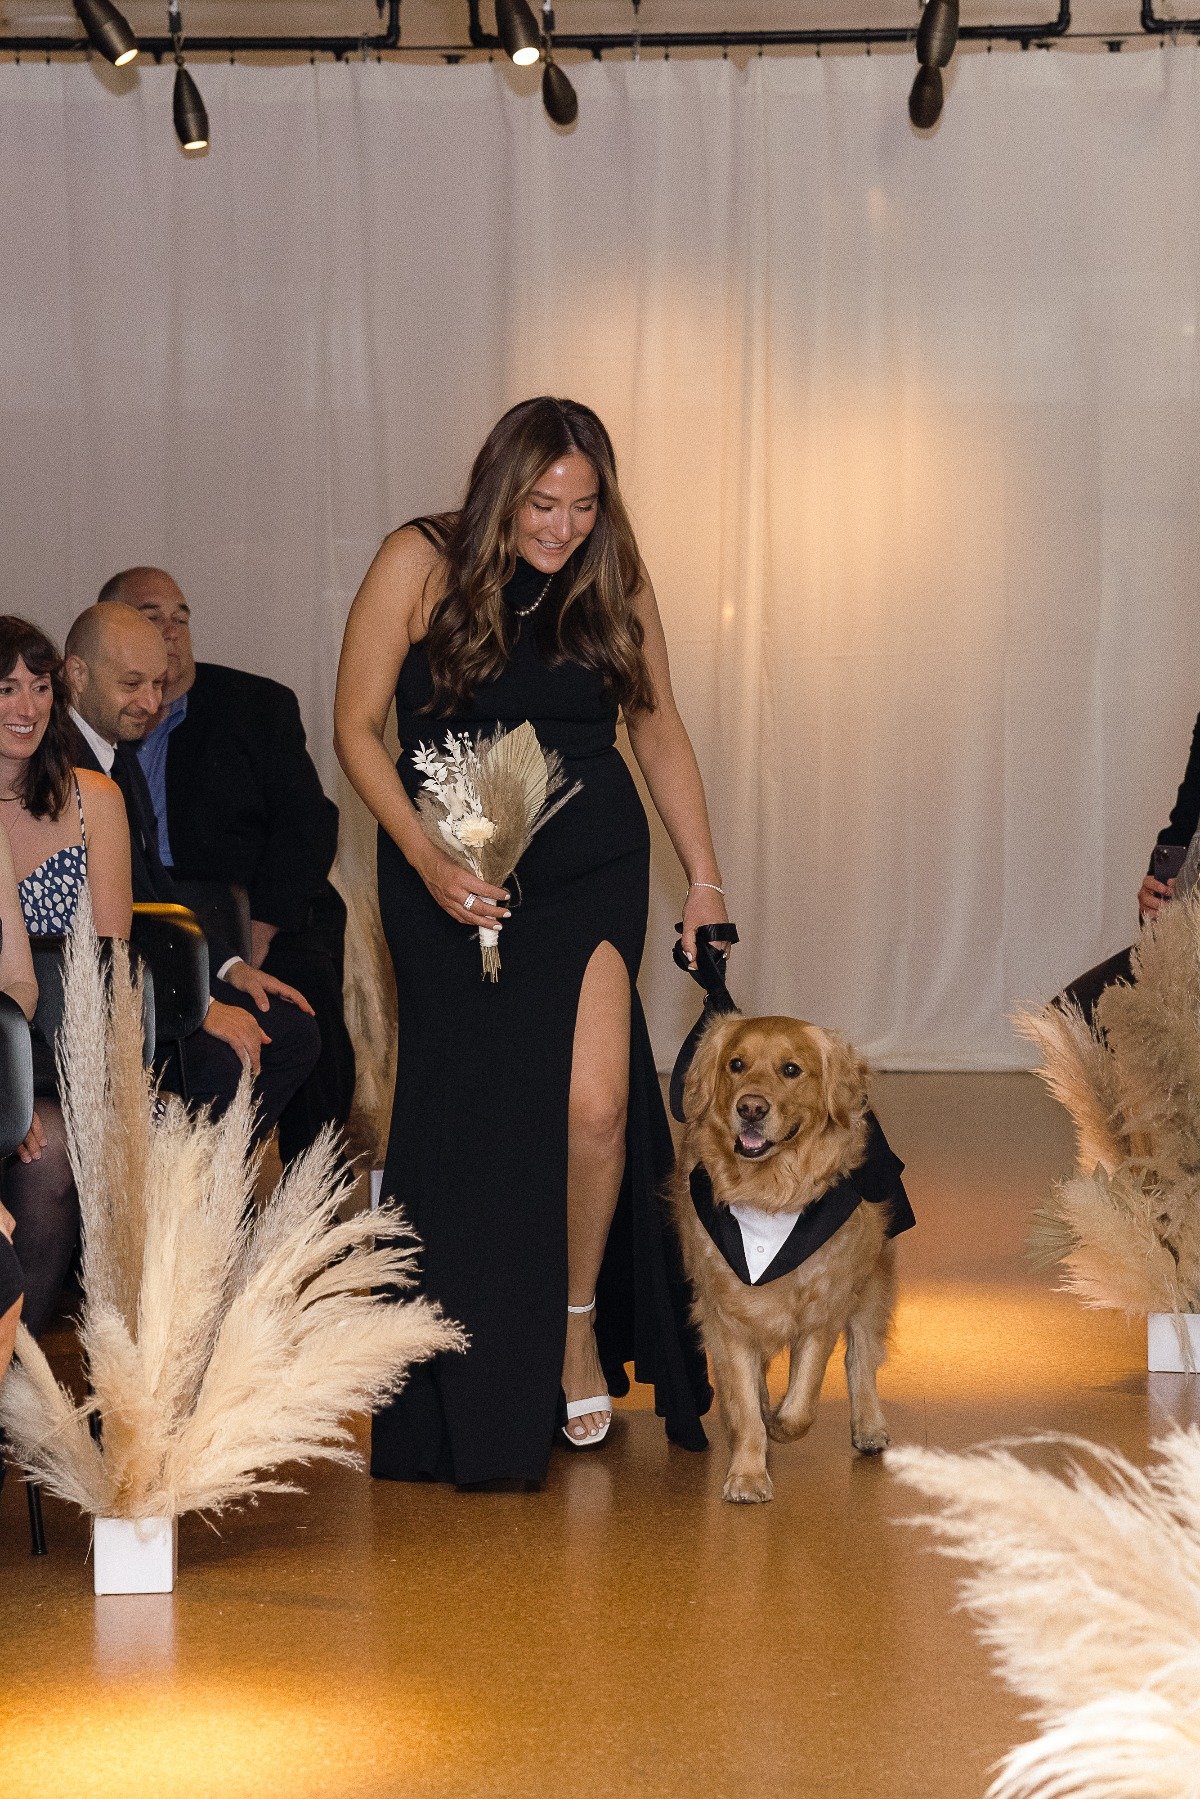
(478, 1148)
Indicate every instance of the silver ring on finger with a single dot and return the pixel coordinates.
(469, 901)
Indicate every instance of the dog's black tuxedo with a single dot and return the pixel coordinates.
(876, 1181)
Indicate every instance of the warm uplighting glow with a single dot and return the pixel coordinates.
(197, 1740)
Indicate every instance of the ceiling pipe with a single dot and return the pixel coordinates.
(598, 43)
(158, 47)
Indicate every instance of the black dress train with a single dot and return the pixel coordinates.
(478, 1149)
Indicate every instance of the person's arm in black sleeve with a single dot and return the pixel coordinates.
(302, 838)
(1185, 813)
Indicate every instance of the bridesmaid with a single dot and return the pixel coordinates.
(528, 1115)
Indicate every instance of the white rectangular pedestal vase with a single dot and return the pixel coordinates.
(135, 1555)
(1165, 1352)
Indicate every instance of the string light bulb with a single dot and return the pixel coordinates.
(519, 32)
(108, 31)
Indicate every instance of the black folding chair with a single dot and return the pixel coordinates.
(16, 1077)
(172, 946)
(222, 908)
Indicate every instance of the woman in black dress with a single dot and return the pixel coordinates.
(528, 1139)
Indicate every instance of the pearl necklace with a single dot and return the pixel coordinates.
(526, 611)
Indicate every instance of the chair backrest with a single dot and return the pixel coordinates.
(172, 944)
(16, 1076)
(44, 1029)
(223, 910)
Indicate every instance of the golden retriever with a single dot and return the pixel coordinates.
(776, 1113)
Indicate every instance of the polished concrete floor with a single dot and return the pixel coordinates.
(622, 1632)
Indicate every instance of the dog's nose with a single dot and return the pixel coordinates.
(752, 1107)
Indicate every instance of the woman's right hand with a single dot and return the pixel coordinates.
(1151, 895)
(35, 1142)
(451, 884)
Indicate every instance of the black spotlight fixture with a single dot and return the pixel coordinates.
(107, 31)
(925, 100)
(187, 108)
(558, 96)
(937, 33)
(519, 32)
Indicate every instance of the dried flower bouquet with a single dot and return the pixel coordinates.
(483, 800)
(1126, 1226)
(219, 1345)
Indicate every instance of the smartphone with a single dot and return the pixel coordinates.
(1167, 861)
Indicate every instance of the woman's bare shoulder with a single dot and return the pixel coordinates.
(102, 798)
(406, 579)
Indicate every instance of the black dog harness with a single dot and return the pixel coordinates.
(875, 1182)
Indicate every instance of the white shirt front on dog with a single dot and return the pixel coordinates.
(763, 1236)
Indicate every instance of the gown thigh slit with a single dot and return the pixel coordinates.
(477, 1154)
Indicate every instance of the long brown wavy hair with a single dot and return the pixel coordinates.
(471, 633)
(48, 778)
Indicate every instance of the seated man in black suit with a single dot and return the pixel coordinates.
(116, 666)
(1176, 834)
(239, 801)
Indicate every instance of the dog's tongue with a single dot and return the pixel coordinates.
(751, 1138)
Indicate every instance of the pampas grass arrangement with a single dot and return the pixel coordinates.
(220, 1346)
(369, 995)
(1126, 1227)
(1087, 1591)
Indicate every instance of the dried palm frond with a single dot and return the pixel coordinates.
(483, 800)
(1126, 1227)
(369, 994)
(218, 1346)
(1087, 1590)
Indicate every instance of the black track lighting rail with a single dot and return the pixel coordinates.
(159, 47)
(599, 43)
(1160, 27)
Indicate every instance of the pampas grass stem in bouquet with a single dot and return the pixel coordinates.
(483, 800)
(1125, 1228)
(1086, 1587)
(220, 1345)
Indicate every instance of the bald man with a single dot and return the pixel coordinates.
(116, 667)
(238, 800)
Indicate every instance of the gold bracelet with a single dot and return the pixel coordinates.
(711, 885)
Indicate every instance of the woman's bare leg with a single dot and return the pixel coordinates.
(595, 1160)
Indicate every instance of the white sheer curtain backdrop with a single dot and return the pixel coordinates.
(908, 428)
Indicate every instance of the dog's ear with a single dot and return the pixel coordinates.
(700, 1083)
(843, 1079)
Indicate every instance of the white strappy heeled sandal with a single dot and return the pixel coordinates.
(579, 1408)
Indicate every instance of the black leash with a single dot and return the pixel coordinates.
(708, 973)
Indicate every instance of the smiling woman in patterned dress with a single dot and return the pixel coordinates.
(66, 828)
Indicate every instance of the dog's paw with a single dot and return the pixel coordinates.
(748, 1489)
(871, 1442)
(786, 1430)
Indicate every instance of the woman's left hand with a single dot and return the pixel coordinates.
(704, 905)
